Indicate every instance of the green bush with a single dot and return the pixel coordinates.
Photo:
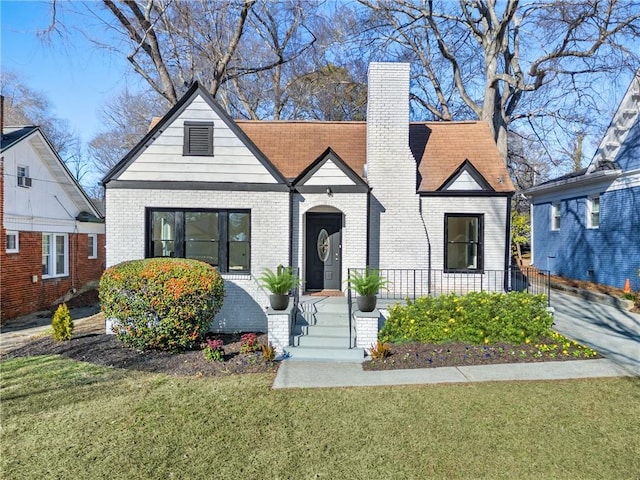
(161, 303)
(478, 318)
(62, 323)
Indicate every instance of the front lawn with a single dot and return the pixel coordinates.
(67, 419)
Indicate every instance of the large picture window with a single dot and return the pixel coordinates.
(221, 238)
(463, 242)
(55, 255)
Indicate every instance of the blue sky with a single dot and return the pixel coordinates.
(76, 76)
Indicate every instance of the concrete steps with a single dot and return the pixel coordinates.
(322, 332)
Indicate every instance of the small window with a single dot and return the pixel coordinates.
(198, 138)
(92, 245)
(555, 216)
(13, 242)
(593, 212)
(23, 178)
(463, 242)
(55, 255)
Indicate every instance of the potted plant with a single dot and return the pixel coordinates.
(279, 283)
(367, 285)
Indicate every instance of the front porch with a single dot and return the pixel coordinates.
(329, 327)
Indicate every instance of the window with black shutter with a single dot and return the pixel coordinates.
(198, 138)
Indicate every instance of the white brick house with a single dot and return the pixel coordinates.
(320, 196)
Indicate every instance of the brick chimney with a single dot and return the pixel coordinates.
(397, 234)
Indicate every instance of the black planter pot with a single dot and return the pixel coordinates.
(279, 302)
(366, 303)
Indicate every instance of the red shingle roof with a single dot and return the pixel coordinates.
(439, 148)
(292, 146)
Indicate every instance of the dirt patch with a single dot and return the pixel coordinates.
(429, 355)
(84, 299)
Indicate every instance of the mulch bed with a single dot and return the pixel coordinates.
(107, 350)
(429, 355)
(89, 344)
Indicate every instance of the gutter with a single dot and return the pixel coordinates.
(587, 179)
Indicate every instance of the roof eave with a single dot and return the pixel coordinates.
(587, 179)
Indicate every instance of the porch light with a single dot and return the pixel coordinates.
(329, 192)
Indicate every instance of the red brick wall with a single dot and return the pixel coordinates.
(19, 295)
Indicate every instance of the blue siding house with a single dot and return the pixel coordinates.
(586, 225)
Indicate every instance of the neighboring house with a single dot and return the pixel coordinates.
(51, 236)
(586, 225)
(320, 196)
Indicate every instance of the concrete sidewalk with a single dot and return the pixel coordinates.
(610, 331)
(301, 374)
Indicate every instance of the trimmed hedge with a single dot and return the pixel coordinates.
(161, 303)
(478, 318)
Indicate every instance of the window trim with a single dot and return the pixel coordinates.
(556, 207)
(186, 147)
(179, 229)
(480, 267)
(25, 169)
(92, 239)
(590, 200)
(52, 254)
(15, 234)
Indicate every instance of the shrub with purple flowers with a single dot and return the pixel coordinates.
(249, 343)
(212, 350)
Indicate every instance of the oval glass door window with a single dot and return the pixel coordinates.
(324, 246)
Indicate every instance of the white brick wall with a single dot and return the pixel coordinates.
(366, 324)
(495, 216)
(353, 206)
(398, 237)
(245, 301)
(279, 332)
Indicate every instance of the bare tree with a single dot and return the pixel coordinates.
(126, 119)
(507, 62)
(25, 106)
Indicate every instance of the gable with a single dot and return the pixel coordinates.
(328, 170)
(163, 155)
(52, 192)
(621, 142)
(466, 178)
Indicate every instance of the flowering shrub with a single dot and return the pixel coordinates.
(161, 303)
(249, 343)
(477, 318)
(561, 346)
(212, 350)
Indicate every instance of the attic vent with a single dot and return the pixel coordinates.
(198, 138)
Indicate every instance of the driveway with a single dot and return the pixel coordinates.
(611, 332)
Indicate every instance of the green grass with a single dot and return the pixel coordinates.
(66, 419)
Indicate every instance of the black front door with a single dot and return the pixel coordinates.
(323, 251)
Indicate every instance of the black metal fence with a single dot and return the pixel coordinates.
(415, 283)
